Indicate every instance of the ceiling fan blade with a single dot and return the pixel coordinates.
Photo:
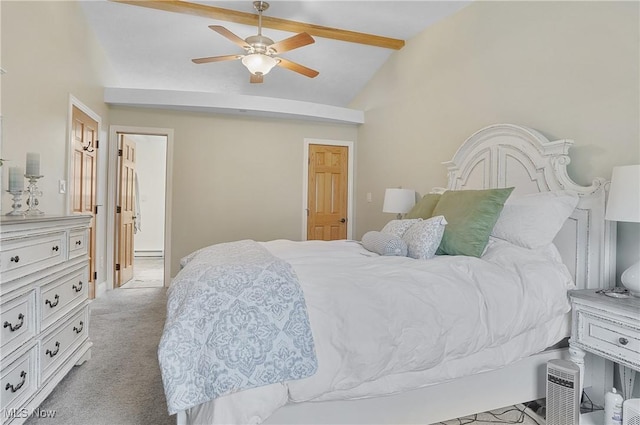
(296, 67)
(256, 78)
(219, 13)
(229, 35)
(216, 59)
(291, 43)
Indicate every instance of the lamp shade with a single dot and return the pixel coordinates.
(259, 64)
(624, 194)
(398, 200)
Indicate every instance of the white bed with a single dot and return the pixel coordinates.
(436, 387)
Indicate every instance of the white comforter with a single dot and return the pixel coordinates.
(386, 324)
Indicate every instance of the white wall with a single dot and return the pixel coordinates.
(151, 160)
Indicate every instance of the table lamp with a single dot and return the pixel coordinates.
(398, 201)
(624, 205)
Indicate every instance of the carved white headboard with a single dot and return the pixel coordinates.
(506, 155)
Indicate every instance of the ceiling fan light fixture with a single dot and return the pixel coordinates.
(258, 63)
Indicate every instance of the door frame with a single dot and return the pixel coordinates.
(99, 264)
(114, 131)
(305, 182)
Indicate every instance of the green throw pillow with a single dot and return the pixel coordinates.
(424, 208)
(471, 215)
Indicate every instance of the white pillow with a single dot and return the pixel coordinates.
(423, 238)
(384, 244)
(398, 227)
(532, 221)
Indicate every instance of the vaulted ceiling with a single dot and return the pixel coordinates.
(152, 49)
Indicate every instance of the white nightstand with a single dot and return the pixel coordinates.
(607, 327)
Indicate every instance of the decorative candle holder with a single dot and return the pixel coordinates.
(34, 192)
(17, 202)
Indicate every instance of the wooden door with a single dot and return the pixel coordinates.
(125, 210)
(327, 193)
(83, 180)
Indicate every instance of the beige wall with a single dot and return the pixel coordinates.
(49, 53)
(568, 69)
(233, 177)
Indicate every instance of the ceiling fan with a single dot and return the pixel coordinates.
(261, 51)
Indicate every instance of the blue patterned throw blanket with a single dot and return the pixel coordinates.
(236, 319)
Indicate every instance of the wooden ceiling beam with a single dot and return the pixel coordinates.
(244, 18)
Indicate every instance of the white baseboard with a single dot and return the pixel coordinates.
(101, 289)
(148, 253)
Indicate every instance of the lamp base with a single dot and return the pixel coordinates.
(631, 279)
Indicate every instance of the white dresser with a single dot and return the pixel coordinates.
(44, 310)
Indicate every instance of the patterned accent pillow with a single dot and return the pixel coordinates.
(423, 238)
(384, 244)
(399, 227)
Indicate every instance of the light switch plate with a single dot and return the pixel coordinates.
(62, 186)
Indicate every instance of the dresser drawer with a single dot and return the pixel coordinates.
(18, 321)
(18, 382)
(58, 345)
(21, 257)
(616, 339)
(78, 242)
(61, 296)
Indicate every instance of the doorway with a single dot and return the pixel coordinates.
(83, 179)
(140, 199)
(327, 190)
(142, 255)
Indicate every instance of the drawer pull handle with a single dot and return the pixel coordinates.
(55, 248)
(78, 330)
(77, 288)
(15, 259)
(53, 353)
(623, 341)
(13, 328)
(13, 389)
(55, 303)
(78, 243)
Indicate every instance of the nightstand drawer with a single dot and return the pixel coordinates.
(617, 339)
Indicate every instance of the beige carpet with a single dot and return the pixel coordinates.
(121, 384)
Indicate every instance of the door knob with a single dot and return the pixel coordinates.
(343, 220)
